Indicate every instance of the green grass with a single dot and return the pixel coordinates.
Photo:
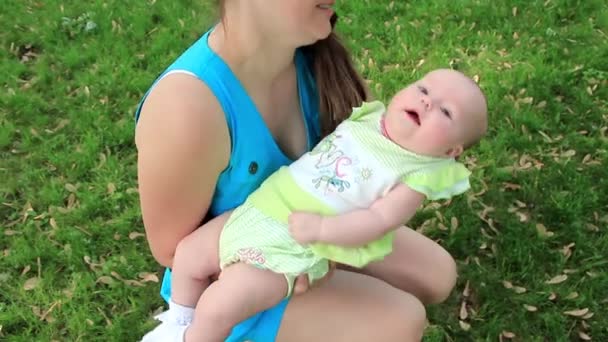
(69, 213)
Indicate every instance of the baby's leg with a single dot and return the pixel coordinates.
(242, 291)
(195, 261)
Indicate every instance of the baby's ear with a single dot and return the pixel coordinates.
(455, 151)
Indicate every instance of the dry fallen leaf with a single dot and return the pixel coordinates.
(53, 223)
(466, 292)
(552, 296)
(543, 231)
(557, 279)
(135, 235)
(577, 313)
(572, 295)
(464, 325)
(71, 187)
(25, 270)
(530, 308)
(519, 289)
(105, 280)
(31, 283)
(111, 188)
(584, 336)
(589, 315)
(463, 315)
(146, 277)
(508, 334)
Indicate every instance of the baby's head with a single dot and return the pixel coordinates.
(442, 114)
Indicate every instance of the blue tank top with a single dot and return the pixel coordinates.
(254, 152)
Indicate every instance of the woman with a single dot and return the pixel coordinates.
(254, 93)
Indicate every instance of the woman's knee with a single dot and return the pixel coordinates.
(444, 278)
(406, 317)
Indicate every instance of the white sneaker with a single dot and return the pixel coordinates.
(168, 331)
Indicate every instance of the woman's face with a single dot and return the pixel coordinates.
(297, 22)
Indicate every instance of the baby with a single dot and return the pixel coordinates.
(341, 201)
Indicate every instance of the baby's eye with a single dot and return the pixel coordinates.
(446, 112)
(423, 90)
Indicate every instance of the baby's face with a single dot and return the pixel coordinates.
(438, 115)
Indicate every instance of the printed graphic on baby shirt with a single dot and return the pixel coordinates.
(333, 165)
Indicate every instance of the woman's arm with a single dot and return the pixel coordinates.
(183, 145)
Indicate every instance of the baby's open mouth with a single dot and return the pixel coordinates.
(414, 116)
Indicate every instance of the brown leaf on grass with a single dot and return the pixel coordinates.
(552, 296)
(31, 283)
(589, 315)
(453, 223)
(93, 266)
(467, 290)
(463, 315)
(10, 232)
(464, 325)
(530, 308)
(557, 279)
(135, 235)
(508, 334)
(584, 336)
(26, 269)
(105, 280)
(567, 250)
(543, 231)
(510, 186)
(71, 187)
(572, 295)
(568, 154)
(577, 313)
(111, 188)
(71, 201)
(591, 227)
(514, 11)
(507, 284)
(148, 277)
(53, 223)
(519, 289)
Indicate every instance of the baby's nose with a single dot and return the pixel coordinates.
(426, 101)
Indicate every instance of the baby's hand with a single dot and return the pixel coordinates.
(305, 227)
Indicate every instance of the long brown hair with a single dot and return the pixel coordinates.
(339, 85)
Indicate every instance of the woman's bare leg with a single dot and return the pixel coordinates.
(352, 307)
(418, 265)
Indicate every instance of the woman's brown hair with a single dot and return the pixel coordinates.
(339, 85)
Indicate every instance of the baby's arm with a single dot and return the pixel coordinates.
(361, 226)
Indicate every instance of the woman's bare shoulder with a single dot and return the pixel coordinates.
(180, 104)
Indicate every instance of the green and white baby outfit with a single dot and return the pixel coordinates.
(348, 170)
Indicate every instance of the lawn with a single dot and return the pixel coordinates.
(530, 238)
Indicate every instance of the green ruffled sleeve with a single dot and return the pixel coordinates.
(365, 109)
(442, 183)
(356, 256)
